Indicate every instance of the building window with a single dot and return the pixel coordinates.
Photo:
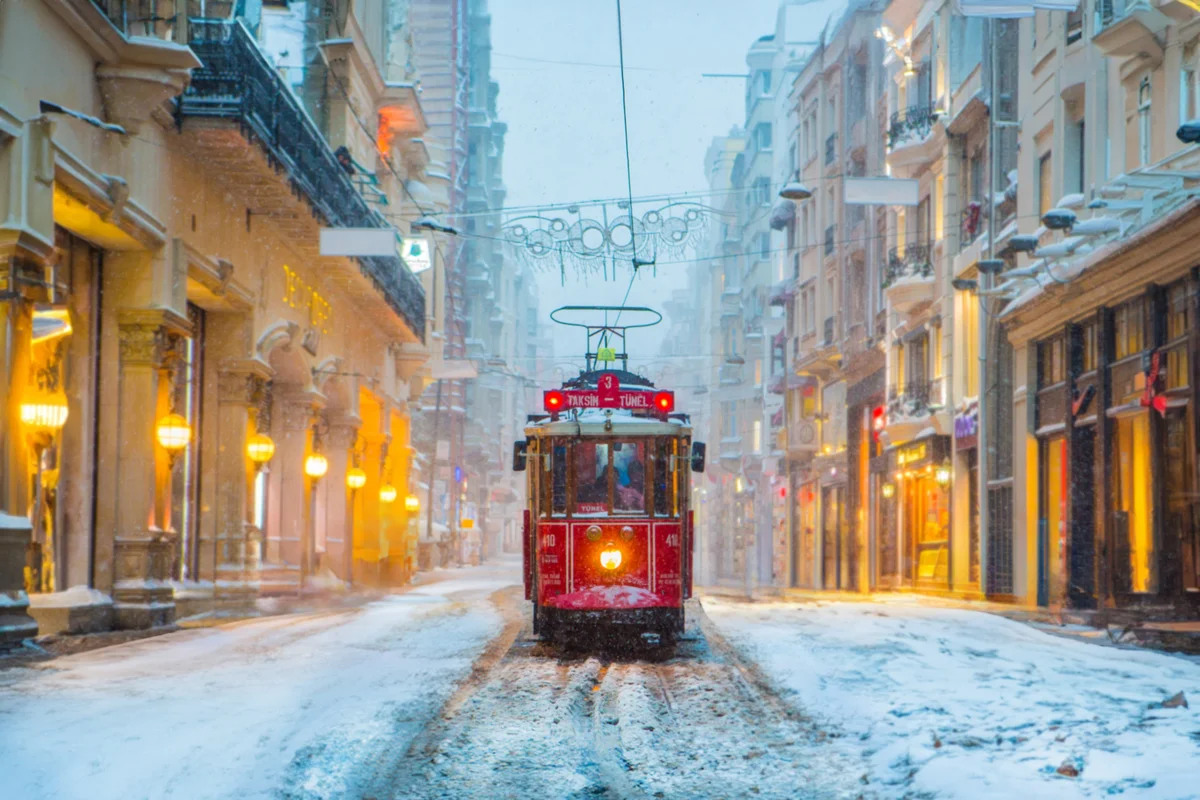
(1074, 26)
(763, 245)
(757, 436)
(1045, 200)
(1130, 329)
(1144, 122)
(1091, 355)
(762, 135)
(1187, 95)
(938, 209)
(761, 191)
(1051, 362)
(764, 82)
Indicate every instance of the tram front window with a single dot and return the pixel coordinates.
(591, 478)
(629, 471)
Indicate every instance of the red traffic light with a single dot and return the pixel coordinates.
(554, 401)
(664, 401)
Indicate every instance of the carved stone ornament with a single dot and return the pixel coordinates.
(237, 387)
(131, 92)
(142, 344)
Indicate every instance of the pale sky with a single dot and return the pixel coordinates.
(565, 140)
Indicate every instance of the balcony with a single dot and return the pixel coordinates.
(731, 303)
(908, 277)
(729, 374)
(912, 408)
(831, 149)
(236, 83)
(909, 139)
(1126, 28)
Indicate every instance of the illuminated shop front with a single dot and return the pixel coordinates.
(1117, 514)
(920, 505)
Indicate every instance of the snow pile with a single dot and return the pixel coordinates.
(304, 704)
(960, 703)
(73, 597)
(609, 597)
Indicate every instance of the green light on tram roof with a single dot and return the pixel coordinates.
(606, 354)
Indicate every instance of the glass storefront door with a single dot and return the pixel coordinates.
(1052, 499)
(1133, 502)
(1183, 506)
(833, 525)
(927, 529)
(805, 535)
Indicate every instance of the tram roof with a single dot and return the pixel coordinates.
(590, 422)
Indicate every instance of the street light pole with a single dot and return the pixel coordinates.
(437, 417)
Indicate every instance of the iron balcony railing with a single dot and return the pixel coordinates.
(909, 261)
(914, 122)
(237, 82)
(914, 398)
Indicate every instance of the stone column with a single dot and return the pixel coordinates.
(143, 549)
(291, 448)
(338, 533)
(236, 586)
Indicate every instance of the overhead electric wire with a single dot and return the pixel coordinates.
(628, 167)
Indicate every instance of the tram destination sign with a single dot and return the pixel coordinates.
(590, 398)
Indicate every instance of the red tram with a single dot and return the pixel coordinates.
(608, 533)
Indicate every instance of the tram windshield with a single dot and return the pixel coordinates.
(611, 477)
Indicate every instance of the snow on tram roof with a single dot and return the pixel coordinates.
(591, 421)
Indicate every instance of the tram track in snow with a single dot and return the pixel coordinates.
(696, 720)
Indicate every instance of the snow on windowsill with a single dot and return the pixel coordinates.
(75, 596)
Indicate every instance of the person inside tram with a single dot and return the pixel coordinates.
(631, 497)
(597, 490)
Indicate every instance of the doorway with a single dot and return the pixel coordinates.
(833, 525)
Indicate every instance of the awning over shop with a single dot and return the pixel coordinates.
(1012, 9)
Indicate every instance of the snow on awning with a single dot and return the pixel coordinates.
(781, 293)
(782, 214)
(1012, 9)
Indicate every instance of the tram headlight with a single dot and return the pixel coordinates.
(610, 556)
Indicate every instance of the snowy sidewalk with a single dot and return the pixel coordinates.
(959, 703)
(300, 704)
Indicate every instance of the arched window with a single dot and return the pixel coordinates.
(1144, 120)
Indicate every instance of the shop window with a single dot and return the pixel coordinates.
(1051, 362)
(1133, 497)
(1130, 328)
(1183, 508)
(1178, 313)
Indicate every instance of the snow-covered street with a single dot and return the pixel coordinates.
(952, 703)
(442, 692)
(295, 705)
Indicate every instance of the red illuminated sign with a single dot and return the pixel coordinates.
(608, 394)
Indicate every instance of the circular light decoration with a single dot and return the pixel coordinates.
(387, 493)
(50, 416)
(610, 557)
(316, 465)
(412, 503)
(260, 448)
(356, 478)
(173, 433)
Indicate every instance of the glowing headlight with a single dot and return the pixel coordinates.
(610, 557)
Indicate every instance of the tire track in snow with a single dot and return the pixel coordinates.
(701, 722)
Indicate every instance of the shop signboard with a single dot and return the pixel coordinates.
(966, 428)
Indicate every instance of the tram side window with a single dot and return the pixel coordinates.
(664, 484)
(591, 478)
(629, 472)
(558, 481)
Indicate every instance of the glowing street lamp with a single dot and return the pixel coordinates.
(173, 433)
(412, 504)
(388, 493)
(48, 415)
(260, 448)
(356, 478)
(942, 475)
(315, 466)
